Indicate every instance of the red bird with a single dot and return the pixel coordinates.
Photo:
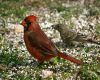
(38, 44)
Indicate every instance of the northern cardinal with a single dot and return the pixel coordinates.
(38, 44)
(69, 36)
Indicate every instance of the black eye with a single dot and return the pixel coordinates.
(28, 23)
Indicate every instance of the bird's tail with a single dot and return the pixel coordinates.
(93, 41)
(72, 59)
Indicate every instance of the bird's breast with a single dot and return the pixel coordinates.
(31, 49)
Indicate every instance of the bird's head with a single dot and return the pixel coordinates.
(28, 21)
(57, 27)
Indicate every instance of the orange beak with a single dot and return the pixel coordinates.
(23, 23)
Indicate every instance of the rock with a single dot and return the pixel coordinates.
(46, 73)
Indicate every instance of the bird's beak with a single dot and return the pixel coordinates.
(23, 23)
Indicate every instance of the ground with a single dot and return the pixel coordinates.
(17, 64)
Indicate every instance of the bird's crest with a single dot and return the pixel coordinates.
(31, 17)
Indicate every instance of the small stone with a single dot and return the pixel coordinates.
(46, 73)
(18, 28)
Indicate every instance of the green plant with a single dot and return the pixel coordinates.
(89, 71)
(71, 11)
(98, 28)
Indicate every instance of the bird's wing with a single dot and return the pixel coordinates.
(41, 42)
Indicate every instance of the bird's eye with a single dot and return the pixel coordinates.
(28, 22)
